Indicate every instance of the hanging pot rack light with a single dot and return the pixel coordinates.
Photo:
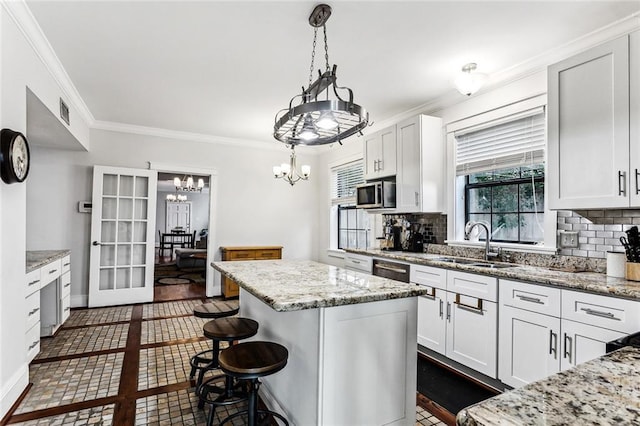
(326, 112)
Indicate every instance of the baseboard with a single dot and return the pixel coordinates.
(12, 390)
(79, 300)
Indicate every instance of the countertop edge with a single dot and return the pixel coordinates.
(40, 258)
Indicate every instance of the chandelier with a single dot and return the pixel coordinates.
(289, 172)
(186, 184)
(177, 198)
(324, 112)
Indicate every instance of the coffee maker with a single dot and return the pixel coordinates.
(415, 241)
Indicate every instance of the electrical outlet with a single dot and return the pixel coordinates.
(568, 239)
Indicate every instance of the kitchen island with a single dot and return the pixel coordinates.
(603, 391)
(351, 339)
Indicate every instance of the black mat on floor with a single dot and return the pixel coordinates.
(451, 391)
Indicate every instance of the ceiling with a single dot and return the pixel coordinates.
(225, 68)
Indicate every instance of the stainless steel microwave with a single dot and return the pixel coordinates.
(376, 195)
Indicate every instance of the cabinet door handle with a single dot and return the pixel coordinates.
(477, 308)
(390, 268)
(33, 345)
(637, 186)
(33, 311)
(553, 344)
(67, 264)
(621, 182)
(567, 347)
(33, 282)
(53, 271)
(67, 285)
(441, 303)
(595, 313)
(417, 198)
(380, 165)
(357, 262)
(529, 299)
(448, 311)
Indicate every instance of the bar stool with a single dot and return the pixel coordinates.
(212, 310)
(219, 330)
(249, 361)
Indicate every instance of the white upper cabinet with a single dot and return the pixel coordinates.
(593, 163)
(420, 177)
(380, 154)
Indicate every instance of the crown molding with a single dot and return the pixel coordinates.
(27, 24)
(190, 136)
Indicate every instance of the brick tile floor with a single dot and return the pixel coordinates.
(68, 377)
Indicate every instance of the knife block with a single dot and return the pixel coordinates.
(633, 271)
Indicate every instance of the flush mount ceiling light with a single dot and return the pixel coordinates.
(469, 81)
(320, 115)
(289, 172)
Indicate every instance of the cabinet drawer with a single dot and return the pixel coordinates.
(480, 286)
(608, 312)
(65, 308)
(65, 264)
(50, 272)
(267, 254)
(358, 262)
(535, 298)
(32, 341)
(429, 276)
(33, 282)
(240, 255)
(32, 310)
(65, 284)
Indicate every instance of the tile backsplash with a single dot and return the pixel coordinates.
(598, 230)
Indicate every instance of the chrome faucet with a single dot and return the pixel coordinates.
(488, 254)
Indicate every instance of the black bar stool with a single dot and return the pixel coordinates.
(249, 361)
(219, 330)
(212, 310)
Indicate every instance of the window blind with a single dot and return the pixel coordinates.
(344, 179)
(511, 142)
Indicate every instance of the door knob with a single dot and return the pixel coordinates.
(95, 243)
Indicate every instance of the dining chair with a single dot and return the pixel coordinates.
(164, 245)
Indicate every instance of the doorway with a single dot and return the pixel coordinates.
(182, 237)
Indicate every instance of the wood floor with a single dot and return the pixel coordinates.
(166, 293)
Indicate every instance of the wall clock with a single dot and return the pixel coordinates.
(15, 159)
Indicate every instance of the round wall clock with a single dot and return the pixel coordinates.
(14, 151)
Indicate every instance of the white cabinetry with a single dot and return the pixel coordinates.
(544, 330)
(380, 154)
(32, 314)
(419, 180)
(358, 262)
(460, 323)
(592, 163)
(529, 332)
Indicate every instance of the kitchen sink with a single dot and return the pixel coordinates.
(493, 265)
(456, 260)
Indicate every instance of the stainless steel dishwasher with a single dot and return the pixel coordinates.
(392, 270)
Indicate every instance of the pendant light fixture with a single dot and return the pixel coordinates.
(289, 172)
(187, 184)
(324, 112)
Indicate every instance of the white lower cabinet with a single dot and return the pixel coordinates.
(460, 324)
(583, 342)
(544, 330)
(529, 345)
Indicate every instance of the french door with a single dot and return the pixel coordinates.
(122, 236)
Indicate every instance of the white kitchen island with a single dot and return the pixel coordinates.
(351, 339)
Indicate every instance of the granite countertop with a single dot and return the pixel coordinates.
(38, 258)
(292, 285)
(603, 391)
(588, 281)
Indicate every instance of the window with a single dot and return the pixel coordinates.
(352, 224)
(500, 169)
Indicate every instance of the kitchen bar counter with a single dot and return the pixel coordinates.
(351, 339)
(602, 391)
(588, 281)
(291, 285)
(38, 258)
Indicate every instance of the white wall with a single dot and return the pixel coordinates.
(20, 68)
(252, 207)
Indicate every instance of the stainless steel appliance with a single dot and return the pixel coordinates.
(629, 340)
(376, 195)
(392, 270)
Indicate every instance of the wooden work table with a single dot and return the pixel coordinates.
(229, 287)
